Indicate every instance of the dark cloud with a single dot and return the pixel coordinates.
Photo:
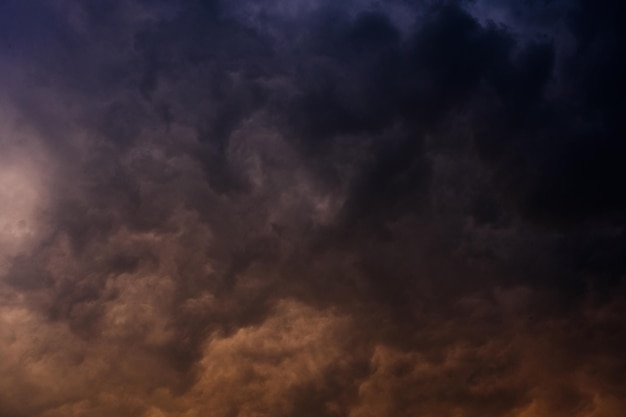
(308, 208)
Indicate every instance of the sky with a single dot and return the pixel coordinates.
(312, 208)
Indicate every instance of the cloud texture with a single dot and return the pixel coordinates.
(312, 208)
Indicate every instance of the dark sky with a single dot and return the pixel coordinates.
(312, 208)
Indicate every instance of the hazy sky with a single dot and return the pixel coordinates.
(314, 208)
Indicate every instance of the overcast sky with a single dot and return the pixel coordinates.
(312, 208)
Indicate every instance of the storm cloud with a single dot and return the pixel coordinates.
(312, 208)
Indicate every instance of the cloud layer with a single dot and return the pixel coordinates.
(307, 208)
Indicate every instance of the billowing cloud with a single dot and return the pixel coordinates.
(308, 208)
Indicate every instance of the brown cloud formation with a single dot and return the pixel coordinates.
(311, 209)
(304, 361)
